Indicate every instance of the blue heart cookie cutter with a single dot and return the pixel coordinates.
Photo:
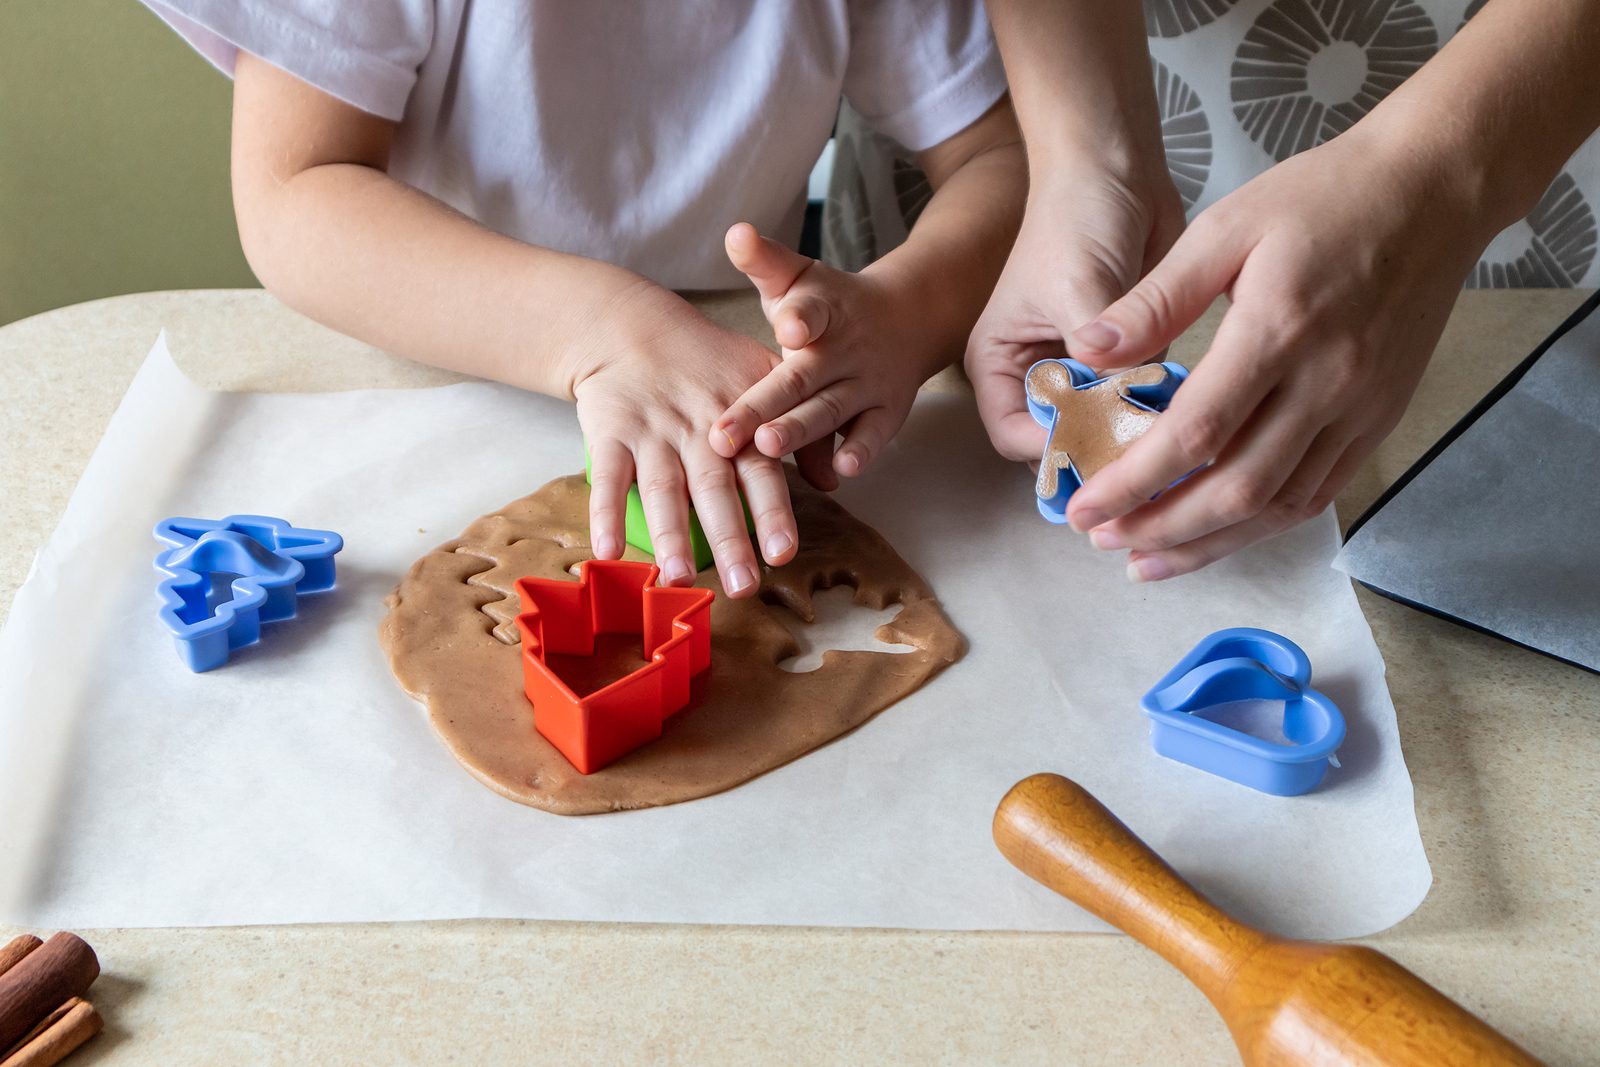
(1153, 398)
(1245, 664)
(273, 563)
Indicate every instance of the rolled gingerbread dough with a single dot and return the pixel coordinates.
(1093, 425)
(451, 643)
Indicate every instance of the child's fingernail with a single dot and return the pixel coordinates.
(731, 443)
(1148, 569)
(605, 546)
(777, 545)
(774, 438)
(847, 464)
(1088, 519)
(740, 578)
(1105, 539)
(676, 570)
(1097, 336)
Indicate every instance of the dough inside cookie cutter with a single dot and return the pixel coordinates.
(1110, 415)
(272, 563)
(610, 597)
(1245, 664)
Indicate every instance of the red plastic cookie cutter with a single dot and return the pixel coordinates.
(610, 597)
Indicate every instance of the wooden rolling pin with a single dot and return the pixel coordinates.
(1287, 1003)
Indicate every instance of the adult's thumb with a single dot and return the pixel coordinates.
(1150, 316)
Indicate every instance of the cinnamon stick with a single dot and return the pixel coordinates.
(63, 1030)
(55, 972)
(44, 1024)
(15, 949)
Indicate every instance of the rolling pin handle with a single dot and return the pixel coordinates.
(1055, 832)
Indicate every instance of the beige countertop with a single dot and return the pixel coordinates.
(1503, 747)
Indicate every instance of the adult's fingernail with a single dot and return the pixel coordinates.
(605, 546)
(1084, 521)
(677, 569)
(1097, 336)
(1148, 569)
(1105, 539)
(777, 545)
(740, 578)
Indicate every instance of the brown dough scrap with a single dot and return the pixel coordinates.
(451, 643)
(1093, 426)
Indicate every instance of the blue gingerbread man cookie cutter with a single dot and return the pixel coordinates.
(1142, 392)
(1245, 664)
(272, 561)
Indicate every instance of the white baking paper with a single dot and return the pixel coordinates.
(298, 784)
(1502, 529)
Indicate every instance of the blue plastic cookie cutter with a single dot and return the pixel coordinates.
(273, 562)
(1245, 664)
(1148, 397)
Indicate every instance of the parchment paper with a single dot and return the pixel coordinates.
(1502, 529)
(299, 784)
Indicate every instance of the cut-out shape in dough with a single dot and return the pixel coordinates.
(451, 642)
(840, 624)
(1091, 421)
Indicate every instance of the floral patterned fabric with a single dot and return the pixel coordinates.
(1244, 84)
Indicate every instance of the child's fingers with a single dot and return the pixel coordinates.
(772, 267)
(714, 488)
(663, 491)
(784, 387)
(611, 473)
(818, 415)
(766, 492)
(869, 432)
(800, 320)
(815, 463)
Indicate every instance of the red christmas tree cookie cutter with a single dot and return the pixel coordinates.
(610, 597)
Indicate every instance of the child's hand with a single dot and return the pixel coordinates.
(851, 363)
(655, 375)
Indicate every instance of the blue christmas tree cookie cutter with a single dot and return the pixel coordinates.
(273, 563)
(1059, 476)
(1245, 664)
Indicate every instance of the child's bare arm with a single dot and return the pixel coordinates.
(857, 346)
(332, 235)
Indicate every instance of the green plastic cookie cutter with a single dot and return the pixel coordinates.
(638, 531)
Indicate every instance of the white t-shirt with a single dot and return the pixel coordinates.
(624, 130)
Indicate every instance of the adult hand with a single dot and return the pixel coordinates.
(1342, 265)
(1087, 237)
(656, 374)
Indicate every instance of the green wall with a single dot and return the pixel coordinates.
(113, 158)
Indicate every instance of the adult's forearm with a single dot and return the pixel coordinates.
(1080, 78)
(1492, 117)
(948, 265)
